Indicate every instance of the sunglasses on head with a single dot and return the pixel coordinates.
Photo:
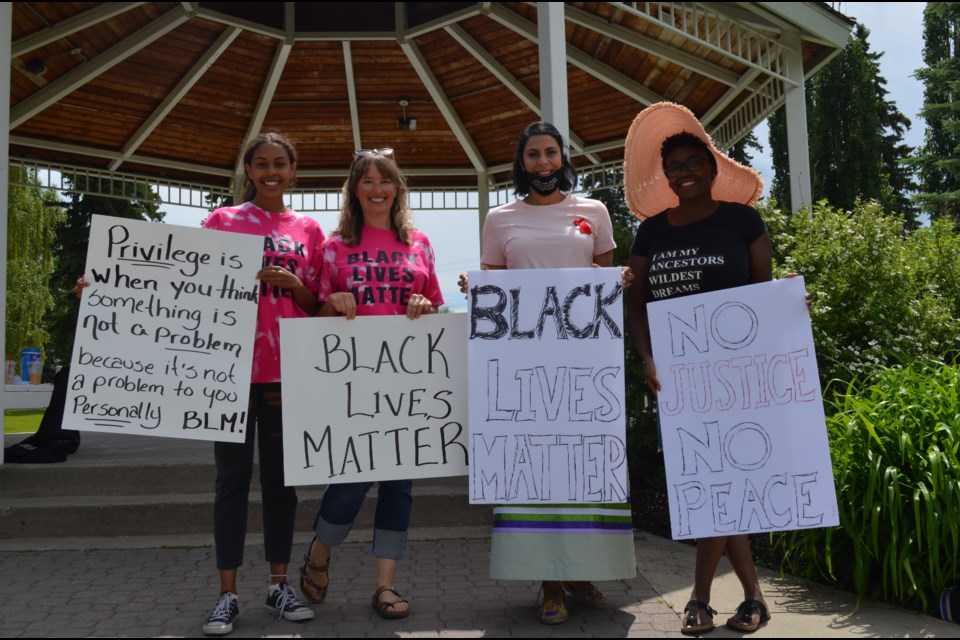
(384, 151)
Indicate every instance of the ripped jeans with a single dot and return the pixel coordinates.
(234, 472)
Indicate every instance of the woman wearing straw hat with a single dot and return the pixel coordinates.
(567, 546)
(693, 198)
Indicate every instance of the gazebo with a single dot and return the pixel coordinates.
(165, 93)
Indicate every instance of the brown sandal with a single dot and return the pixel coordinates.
(312, 591)
(386, 609)
(691, 618)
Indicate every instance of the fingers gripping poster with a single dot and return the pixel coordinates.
(546, 404)
(744, 437)
(373, 398)
(164, 339)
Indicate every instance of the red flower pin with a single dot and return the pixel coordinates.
(583, 225)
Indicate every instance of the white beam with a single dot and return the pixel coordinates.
(578, 58)
(70, 82)
(81, 21)
(815, 21)
(6, 22)
(483, 204)
(797, 150)
(651, 45)
(174, 97)
(443, 103)
(441, 22)
(263, 104)
(507, 79)
(552, 41)
(352, 95)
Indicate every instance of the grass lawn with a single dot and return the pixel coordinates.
(22, 420)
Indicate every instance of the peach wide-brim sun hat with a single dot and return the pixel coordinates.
(645, 184)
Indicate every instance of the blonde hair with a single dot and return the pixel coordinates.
(350, 226)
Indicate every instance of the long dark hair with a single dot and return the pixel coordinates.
(273, 137)
(521, 179)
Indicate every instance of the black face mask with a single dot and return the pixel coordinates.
(545, 185)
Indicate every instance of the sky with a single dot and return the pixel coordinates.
(896, 29)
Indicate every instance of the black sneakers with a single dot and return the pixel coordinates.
(283, 601)
(226, 611)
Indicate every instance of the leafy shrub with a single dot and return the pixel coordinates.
(880, 296)
(894, 439)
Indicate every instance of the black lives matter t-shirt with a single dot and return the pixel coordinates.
(706, 255)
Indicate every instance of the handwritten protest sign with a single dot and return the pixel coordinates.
(164, 339)
(744, 437)
(546, 386)
(374, 398)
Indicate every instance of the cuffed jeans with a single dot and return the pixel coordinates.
(234, 472)
(341, 504)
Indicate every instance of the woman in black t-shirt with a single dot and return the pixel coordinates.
(701, 243)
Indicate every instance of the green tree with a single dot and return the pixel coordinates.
(142, 204)
(33, 220)
(741, 150)
(937, 161)
(855, 135)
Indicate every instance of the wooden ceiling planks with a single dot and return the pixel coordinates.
(311, 102)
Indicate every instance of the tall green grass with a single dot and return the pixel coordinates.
(22, 420)
(894, 438)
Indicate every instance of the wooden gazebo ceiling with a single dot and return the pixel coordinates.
(172, 90)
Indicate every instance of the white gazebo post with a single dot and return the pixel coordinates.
(483, 201)
(553, 66)
(797, 141)
(6, 20)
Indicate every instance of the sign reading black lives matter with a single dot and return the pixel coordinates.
(546, 387)
(164, 340)
(373, 398)
(744, 437)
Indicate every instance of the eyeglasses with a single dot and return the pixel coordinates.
(384, 151)
(692, 164)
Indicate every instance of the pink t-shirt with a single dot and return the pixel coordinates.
(563, 235)
(290, 240)
(380, 271)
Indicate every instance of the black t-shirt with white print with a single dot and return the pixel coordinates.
(706, 255)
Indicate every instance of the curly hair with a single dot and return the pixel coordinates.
(350, 226)
(521, 179)
(272, 137)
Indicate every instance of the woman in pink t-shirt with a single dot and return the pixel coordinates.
(289, 281)
(375, 264)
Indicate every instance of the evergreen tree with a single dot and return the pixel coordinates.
(855, 135)
(741, 150)
(937, 161)
(71, 249)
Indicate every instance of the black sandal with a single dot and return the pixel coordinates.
(311, 590)
(691, 619)
(742, 620)
(385, 609)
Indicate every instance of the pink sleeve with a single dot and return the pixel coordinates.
(328, 270)
(315, 263)
(492, 244)
(431, 290)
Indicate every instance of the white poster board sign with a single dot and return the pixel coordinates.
(741, 413)
(374, 398)
(164, 340)
(546, 386)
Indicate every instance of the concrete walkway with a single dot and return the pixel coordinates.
(166, 587)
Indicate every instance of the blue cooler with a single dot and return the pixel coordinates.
(27, 356)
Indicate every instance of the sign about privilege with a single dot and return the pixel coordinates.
(164, 339)
(744, 436)
(546, 386)
(373, 398)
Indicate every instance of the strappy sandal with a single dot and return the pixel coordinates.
(553, 609)
(691, 618)
(742, 620)
(587, 594)
(386, 609)
(312, 591)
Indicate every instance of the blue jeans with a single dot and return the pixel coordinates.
(341, 504)
(234, 472)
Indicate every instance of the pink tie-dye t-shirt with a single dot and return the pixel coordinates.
(380, 271)
(292, 241)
